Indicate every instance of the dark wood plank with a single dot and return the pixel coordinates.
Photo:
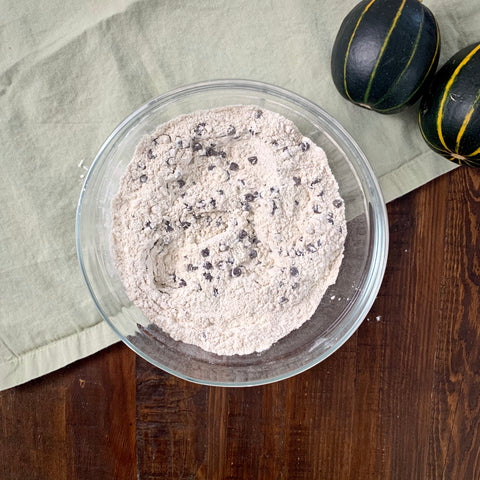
(77, 423)
(455, 432)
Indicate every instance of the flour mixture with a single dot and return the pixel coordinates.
(228, 228)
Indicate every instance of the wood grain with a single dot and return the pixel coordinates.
(78, 423)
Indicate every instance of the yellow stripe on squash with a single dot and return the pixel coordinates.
(447, 89)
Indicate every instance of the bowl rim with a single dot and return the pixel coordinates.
(378, 219)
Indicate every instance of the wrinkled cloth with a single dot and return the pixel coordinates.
(70, 71)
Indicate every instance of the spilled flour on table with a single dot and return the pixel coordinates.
(228, 228)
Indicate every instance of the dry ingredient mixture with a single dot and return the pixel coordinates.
(228, 228)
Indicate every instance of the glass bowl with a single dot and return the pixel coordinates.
(345, 303)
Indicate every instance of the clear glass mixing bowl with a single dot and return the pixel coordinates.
(341, 310)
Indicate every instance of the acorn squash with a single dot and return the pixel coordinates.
(449, 114)
(384, 54)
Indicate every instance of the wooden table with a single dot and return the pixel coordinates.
(400, 400)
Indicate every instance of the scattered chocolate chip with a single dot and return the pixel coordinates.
(316, 209)
(253, 254)
(191, 268)
(188, 207)
(295, 202)
(304, 146)
(234, 166)
(254, 240)
(330, 218)
(143, 178)
(295, 286)
(220, 192)
(252, 132)
(274, 207)
(220, 264)
(185, 225)
(179, 143)
(215, 292)
(293, 271)
(205, 252)
(182, 282)
(154, 141)
(337, 203)
(168, 227)
(299, 253)
(249, 197)
(200, 128)
(197, 146)
(237, 271)
(222, 247)
(242, 181)
(213, 202)
(253, 160)
(274, 189)
(311, 248)
(319, 243)
(242, 234)
(297, 180)
(210, 167)
(230, 260)
(283, 300)
(274, 142)
(231, 130)
(150, 154)
(181, 183)
(210, 152)
(207, 266)
(245, 206)
(317, 180)
(258, 114)
(207, 276)
(141, 166)
(222, 154)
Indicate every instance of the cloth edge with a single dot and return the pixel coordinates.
(55, 355)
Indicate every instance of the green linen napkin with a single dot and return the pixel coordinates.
(70, 71)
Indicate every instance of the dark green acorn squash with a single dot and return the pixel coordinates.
(450, 109)
(384, 54)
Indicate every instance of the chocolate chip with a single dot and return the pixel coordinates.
(253, 254)
(274, 142)
(168, 227)
(337, 203)
(143, 178)
(283, 300)
(181, 183)
(252, 132)
(188, 207)
(220, 192)
(254, 240)
(220, 264)
(210, 167)
(215, 292)
(197, 146)
(249, 197)
(213, 202)
(182, 282)
(207, 266)
(293, 271)
(245, 206)
(222, 247)
(185, 225)
(311, 248)
(299, 253)
(242, 234)
(274, 207)
(205, 252)
(295, 286)
(317, 180)
(207, 276)
(304, 146)
(200, 128)
(237, 271)
(222, 154)
(253, 160)
(191, 268)
(258, 114)
(231, 130)
(234, 166)
(295, 202)
(141, 166)
(330, 218)
(151, 155)
(316, 209)
(179, 143)
(297, 180)
(210, 152)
